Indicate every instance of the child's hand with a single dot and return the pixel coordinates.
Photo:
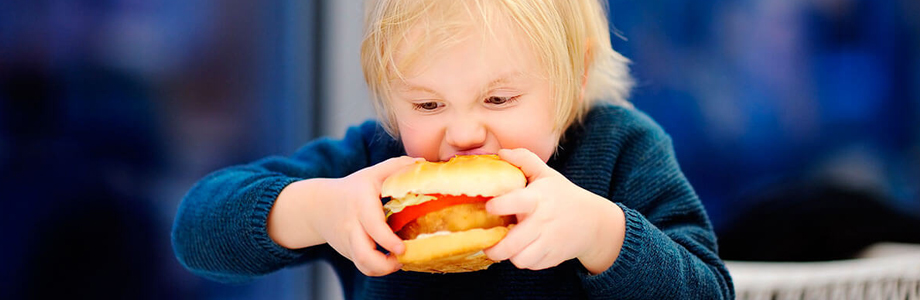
(557, 220)
(349, 216)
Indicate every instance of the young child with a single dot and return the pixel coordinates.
(606, 213)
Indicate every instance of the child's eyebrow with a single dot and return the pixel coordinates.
(407, 88)
(505, 79)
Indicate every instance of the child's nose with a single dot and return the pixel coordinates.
(466, 134)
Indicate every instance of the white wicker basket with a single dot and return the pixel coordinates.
(886, 271)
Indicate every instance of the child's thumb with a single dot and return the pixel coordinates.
(389, 166)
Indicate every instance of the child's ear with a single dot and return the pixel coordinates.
(584, 76)
(584, 82)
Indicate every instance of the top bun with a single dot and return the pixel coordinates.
(471, 175)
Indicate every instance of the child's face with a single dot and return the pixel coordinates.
(476, 97)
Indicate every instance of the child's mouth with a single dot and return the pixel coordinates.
(470, 152)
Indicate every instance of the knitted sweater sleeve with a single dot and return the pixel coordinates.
(220, 228)
(669, 251)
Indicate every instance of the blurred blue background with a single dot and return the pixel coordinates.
(111, 109)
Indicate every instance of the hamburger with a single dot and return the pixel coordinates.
(438, 209)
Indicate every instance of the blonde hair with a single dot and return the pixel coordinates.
(571, 38)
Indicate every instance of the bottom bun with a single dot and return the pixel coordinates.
(451, 253)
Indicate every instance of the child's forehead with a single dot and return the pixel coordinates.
(478, 65)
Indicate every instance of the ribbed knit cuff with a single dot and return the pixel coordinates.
(259, 219)
(617, 280)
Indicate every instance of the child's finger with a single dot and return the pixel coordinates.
(372, 219)
(389, 166)
(520, 202)
(533, 257)
(366, 257)
(518, 238)
(531, 164)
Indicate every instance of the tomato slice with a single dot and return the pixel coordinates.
(408, 214)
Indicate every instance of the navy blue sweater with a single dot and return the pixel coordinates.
(669, 251)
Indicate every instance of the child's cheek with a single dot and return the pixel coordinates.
(419, 142)
(531, 133)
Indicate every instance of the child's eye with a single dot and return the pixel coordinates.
(427, 106)
(495, 100)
